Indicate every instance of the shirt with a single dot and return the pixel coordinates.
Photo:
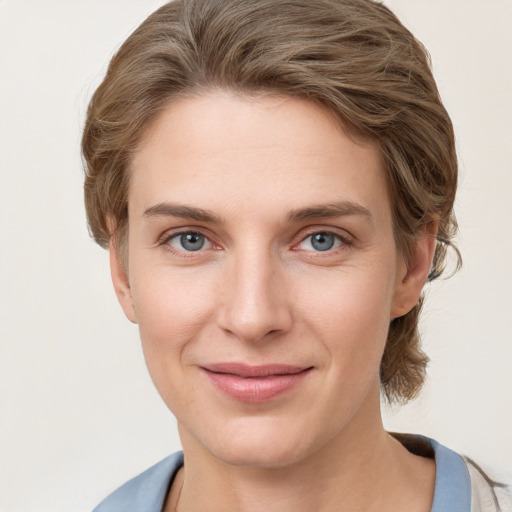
(459, 485)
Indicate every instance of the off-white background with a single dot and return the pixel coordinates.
(78, 413)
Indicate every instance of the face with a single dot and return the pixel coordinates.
(263, 275)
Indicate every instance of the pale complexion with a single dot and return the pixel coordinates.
(289, 259)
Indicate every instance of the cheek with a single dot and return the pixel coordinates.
(350, 312)
(172, 309)
(167, 299)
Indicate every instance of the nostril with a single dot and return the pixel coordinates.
(253, 308)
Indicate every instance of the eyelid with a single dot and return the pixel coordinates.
(330, 230)
(183, 230)
(164, 240)
(346, 238)
(342, 235)
(177, 236)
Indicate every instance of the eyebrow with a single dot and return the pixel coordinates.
(186, 212)
(338, 209)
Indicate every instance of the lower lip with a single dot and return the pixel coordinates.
(255, 389)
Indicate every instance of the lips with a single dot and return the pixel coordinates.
(255, 384)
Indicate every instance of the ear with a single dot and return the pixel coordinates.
(121, 282)
(413, 273)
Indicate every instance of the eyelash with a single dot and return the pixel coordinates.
(341, 241)
(168, 237)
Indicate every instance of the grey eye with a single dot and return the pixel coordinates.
(192, 241)
(322, 241)
(188, 241)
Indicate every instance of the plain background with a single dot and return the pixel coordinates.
(78, 412)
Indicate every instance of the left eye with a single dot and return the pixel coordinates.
(189, 242)
(321, 242)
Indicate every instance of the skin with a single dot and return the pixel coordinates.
(259, 292)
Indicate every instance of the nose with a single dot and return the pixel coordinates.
(255, 304)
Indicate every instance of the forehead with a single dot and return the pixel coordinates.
(215, 149)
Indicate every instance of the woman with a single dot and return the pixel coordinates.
(275, 182)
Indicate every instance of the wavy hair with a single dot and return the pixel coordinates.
(354, 57)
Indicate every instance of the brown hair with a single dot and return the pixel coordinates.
(352, 56)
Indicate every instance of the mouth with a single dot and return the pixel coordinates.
(255, 384)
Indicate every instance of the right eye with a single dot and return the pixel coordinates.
(322, 241)
(189, 241)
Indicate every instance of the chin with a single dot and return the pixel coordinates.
(260, 443)
(257, 455)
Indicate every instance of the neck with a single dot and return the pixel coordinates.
(361, 469)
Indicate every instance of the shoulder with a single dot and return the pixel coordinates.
(487, 495)
(460, 474)
(146, 491)
(460, 486)
(474, 488)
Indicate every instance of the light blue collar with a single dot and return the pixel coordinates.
(452, 491)
(147, 492)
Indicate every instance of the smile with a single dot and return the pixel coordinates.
(255, 384)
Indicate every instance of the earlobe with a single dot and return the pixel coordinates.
(414, 272)
(121, 283)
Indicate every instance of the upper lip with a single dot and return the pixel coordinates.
(263, 370)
